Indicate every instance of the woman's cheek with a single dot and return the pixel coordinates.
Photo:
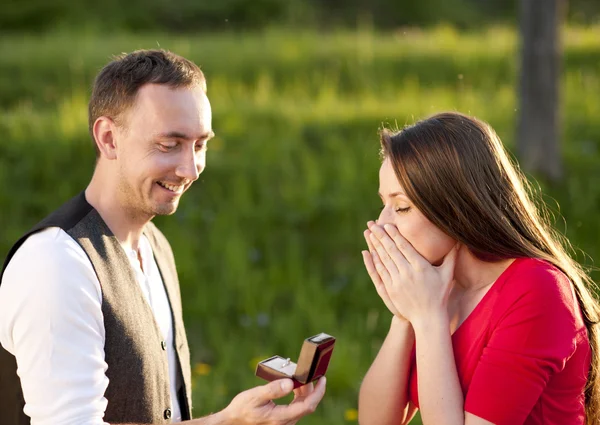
(443, 245)
(427, 242)
(413, 236)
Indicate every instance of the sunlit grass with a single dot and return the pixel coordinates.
(268, 240)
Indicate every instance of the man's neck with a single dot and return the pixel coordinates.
(125, 225)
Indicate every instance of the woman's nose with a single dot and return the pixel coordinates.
(383, 218)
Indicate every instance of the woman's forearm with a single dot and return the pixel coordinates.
(441, 400)
(383, 394)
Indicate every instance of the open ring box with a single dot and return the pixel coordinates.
(312, 363)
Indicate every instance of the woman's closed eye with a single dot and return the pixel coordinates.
(398, 209)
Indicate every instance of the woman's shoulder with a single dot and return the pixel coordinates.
(533, 285)
(535, 275)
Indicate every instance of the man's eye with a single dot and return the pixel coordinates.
(167, 147)
(201, 146)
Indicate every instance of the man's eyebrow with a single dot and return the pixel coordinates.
(179, 135)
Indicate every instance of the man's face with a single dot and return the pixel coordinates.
(161, 148)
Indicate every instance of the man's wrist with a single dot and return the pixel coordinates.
(219, 418)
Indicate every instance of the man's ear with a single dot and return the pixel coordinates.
(104, 132)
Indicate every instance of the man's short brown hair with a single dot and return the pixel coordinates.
(117, 84)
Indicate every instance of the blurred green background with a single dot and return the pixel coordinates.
(268, 240)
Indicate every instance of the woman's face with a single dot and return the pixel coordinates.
(427, 239)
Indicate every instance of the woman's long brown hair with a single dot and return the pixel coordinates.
(456, 171)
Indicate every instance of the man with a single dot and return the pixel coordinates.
(90, 309)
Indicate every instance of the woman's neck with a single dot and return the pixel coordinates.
(472, 274)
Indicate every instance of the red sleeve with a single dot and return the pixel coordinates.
(534, 335)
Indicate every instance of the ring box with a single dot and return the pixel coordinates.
(312, 363)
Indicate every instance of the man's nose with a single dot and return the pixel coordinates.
(191, 165)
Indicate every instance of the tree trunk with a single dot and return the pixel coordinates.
(538, 128)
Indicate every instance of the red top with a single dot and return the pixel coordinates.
(523, 354)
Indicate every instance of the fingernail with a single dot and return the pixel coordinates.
(369, 224)
(286, 385)
(388, 226)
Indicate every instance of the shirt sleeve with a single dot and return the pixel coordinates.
(532, 340)
(51, 321)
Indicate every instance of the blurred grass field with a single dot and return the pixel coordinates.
(268, 240)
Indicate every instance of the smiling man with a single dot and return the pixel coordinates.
(90, 310)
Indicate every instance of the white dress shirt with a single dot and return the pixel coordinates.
(51, 321)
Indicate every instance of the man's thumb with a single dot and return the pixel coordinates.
(279, 388)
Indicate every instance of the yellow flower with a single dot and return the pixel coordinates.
(351, 415)
(202, 369)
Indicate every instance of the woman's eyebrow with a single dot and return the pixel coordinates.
(392, 195)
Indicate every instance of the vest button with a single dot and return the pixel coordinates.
(163, 344)
(167, 414)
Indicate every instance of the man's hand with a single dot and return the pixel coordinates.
(255, 406)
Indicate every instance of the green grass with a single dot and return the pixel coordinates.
(268, 241)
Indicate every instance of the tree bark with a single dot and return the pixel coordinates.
(538, 127)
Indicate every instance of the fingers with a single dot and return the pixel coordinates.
(373, 263)
(304, 390)
(377, 282)
(301, 407)
(256, 406)
(368, 259)
(381, 268)
(314, 398)
(271, 391)
(388, 253)
(409, 253)
(367, 234)
(451, 256)
(447, 266)
(378, 272)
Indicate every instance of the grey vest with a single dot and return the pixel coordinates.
(138, 389)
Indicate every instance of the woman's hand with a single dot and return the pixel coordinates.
(370, 259)
(410, 286)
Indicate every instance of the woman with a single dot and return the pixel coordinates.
(492, 321)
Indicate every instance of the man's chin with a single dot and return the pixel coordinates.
(166, 209)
